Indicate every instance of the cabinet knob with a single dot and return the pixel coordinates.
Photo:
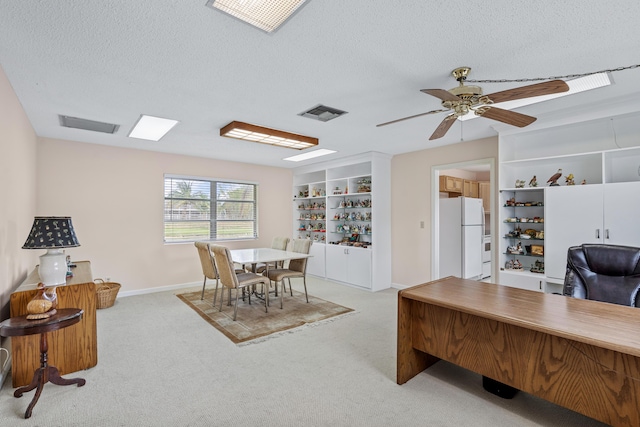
(597, 233)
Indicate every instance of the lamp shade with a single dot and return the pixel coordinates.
(50, 232)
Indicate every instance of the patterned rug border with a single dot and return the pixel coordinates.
(267, 335)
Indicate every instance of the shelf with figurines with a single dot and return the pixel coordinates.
(352, 216)
(312, 216)
(528, 234)
(524, 220)
(527, 250)
(315, 228)
(316, 237)
(354, 204)
(364, 230)
(312, 206)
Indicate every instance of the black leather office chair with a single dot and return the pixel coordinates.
(607, 273)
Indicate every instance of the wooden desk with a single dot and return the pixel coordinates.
(583, 355)
(72, 349)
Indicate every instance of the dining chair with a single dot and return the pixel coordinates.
(277, 243)
(232, 280)
(208, 267)
(297, 268)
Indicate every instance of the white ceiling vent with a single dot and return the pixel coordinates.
(322, 113)
(76, 123)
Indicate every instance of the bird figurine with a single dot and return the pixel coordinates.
(533, 182)
(569, 179)
(553, 181)
(584, 181)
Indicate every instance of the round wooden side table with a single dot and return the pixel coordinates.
(20, 326)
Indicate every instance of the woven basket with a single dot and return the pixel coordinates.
(106, 292)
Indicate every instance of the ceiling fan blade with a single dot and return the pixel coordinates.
(411, 117)
(538, 89)
(444, 95)
(506, 116)
(443, 127)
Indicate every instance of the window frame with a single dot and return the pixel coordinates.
(213, 201)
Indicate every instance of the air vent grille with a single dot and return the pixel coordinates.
(322, 113)
(84, 124)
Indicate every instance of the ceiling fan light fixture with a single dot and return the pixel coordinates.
(263, 135)
(266, 15)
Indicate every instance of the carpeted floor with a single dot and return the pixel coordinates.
(252, 323)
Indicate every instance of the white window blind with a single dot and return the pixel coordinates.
(199, 209)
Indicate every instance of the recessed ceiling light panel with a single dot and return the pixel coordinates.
(309, 155)
(266, 15)
(151, 128)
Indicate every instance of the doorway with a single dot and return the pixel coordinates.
(481, 170)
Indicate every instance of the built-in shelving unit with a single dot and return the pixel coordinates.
(602, 156)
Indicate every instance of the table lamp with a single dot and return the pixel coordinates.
(52, 233)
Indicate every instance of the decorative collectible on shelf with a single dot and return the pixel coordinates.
(553, 180)
(519, 183)
(533, 182)
(569, 179)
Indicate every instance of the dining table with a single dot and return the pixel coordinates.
(267, 256)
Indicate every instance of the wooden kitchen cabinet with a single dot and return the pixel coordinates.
(450, 184)
(484, 192)
(470, 188)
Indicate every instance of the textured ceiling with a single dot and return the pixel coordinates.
(113, 60)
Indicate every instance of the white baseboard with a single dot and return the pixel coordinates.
(158, 289)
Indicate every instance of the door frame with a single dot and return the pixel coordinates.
(435, 210)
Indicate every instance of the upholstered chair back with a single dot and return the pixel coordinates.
(607, 273)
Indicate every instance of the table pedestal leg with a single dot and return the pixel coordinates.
(43, 375)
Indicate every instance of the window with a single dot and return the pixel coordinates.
(199, 209)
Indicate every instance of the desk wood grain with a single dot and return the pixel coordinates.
(580, 354)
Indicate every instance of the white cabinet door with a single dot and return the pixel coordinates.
(359, 267)
(336, 263)
(349, 265)
(622, 214)
(573, 215)
(315, 264)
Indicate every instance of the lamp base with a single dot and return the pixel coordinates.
(53, 267)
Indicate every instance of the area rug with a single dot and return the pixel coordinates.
(253, 324)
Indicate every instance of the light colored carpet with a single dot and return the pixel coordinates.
(159, 364)
(252, 323)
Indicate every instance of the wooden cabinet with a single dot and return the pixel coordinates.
(484, 192)
(70, 349)
(470, 188)
(450, 184)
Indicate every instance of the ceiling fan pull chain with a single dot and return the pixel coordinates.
(568, 76)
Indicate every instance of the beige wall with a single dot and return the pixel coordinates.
(411, 204)
(17, 194)
(114, 196)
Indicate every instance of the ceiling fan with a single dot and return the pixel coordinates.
(464, 99)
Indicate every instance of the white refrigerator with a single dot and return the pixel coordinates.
(461, 237)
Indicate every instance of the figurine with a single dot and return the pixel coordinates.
(584, 181)
(519, 183)
(569, 179)
(553, 181)
(533, 182)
